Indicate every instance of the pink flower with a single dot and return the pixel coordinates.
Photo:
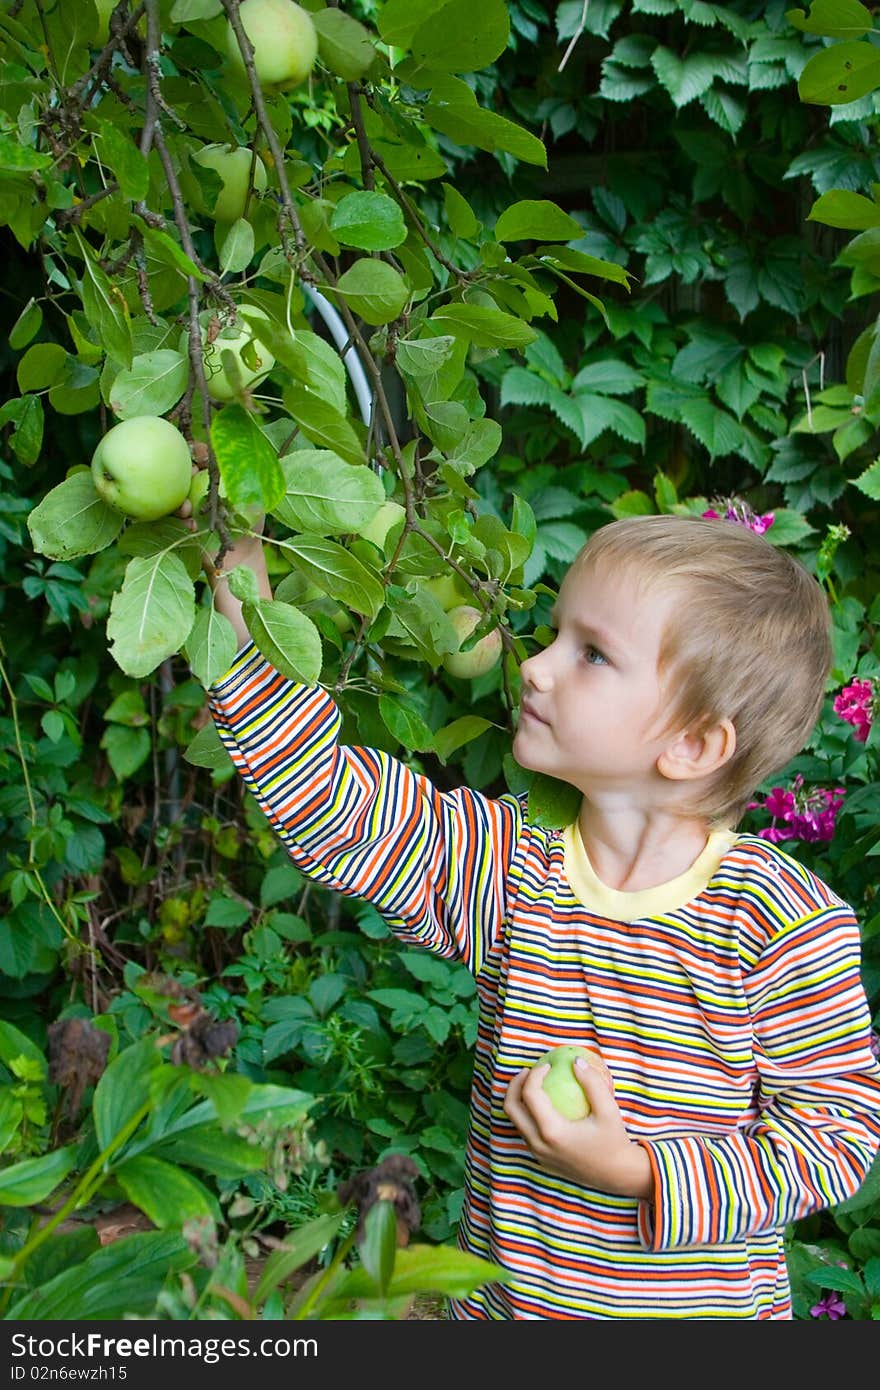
(857, 704)
(830, 1305)
(806, 813)
(735, 509)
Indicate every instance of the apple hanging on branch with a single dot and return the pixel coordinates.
(142, 467)
(482, 656)
(284, 40)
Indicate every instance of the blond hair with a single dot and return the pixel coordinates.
(749, 642)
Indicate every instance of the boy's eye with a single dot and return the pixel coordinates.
(594, 656)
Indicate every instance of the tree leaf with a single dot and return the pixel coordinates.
(483, 326)
(450, 41)
(248, 463)
(339, 573)
(286, 638)
(343, 44)
(211, 645)
(841, 208)
(123, 1088)
(841, 73)
(105, 307)
(837, 19)
(326, 495)
(536, 220)
(152, 385)
(370, 221)
(374, 290)
(73, 520)
(407, 726)
(152, 615)
(235, 249)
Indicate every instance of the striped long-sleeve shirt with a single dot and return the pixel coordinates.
(727, 1005)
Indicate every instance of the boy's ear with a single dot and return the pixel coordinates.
(689, 755)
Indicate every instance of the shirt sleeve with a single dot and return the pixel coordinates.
(817, 1123)
(359, 821)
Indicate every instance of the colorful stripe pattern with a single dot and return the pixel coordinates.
(736, 1026)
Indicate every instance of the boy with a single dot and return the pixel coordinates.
(716, 977)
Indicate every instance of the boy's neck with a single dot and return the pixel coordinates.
(631, 850)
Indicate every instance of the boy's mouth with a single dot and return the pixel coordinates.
(530, 712)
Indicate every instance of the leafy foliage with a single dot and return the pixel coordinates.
(517, 276)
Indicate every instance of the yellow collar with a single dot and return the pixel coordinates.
(621, 906)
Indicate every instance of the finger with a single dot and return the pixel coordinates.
(597, 1088)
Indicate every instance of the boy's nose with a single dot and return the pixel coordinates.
(535, 671)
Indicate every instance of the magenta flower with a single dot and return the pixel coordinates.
(735, 509)
(857, 704)
(830, 1305)
(805, 813)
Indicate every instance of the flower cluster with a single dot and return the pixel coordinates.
(805, 813)
(858, 703)
(735, 509)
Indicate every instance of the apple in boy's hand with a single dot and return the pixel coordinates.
(284, 40)
(143, 467)
(561, 1083)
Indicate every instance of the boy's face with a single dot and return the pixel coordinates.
(593, 707)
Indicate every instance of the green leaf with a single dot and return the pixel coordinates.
(26, 416)
(464, 730)
(123, 1088)
(686, 78)
(449, 40)
(121, 1280)
(124, 161)
(211, 645)
(323, 424)
(35, 1179)
(152, 614)
(339, 573)
(552, 803)
(168, 1195)
(536, 220)
(235, 248)
(483, 326)
(344, 45)
(569, 258)
(105, 307)
(841, 208)
(453, 110)
(833, 1277)
(126, 749)
(378, 1245)
(287, 638)
(407, 726)
(326, 495)
(367, 220)
(208, 750)
(429, 1269)
(374, 290)
(73, 520)
(869, 481)
(837, 19)
(43, 365)
(248, 463)
(152, 385)
(298, 1248)
(841, 73)
(26, 326)
(463, 221)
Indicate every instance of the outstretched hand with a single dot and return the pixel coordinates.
(596, 1151)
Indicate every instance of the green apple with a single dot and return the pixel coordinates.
(233, 164)
(284, 40)
(377, 528)
(447, 589)
(143, 467)
(482, 656)
(561, 1084)
(237, 338)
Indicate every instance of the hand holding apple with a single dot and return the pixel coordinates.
(561, 1082)
(595, 1150)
